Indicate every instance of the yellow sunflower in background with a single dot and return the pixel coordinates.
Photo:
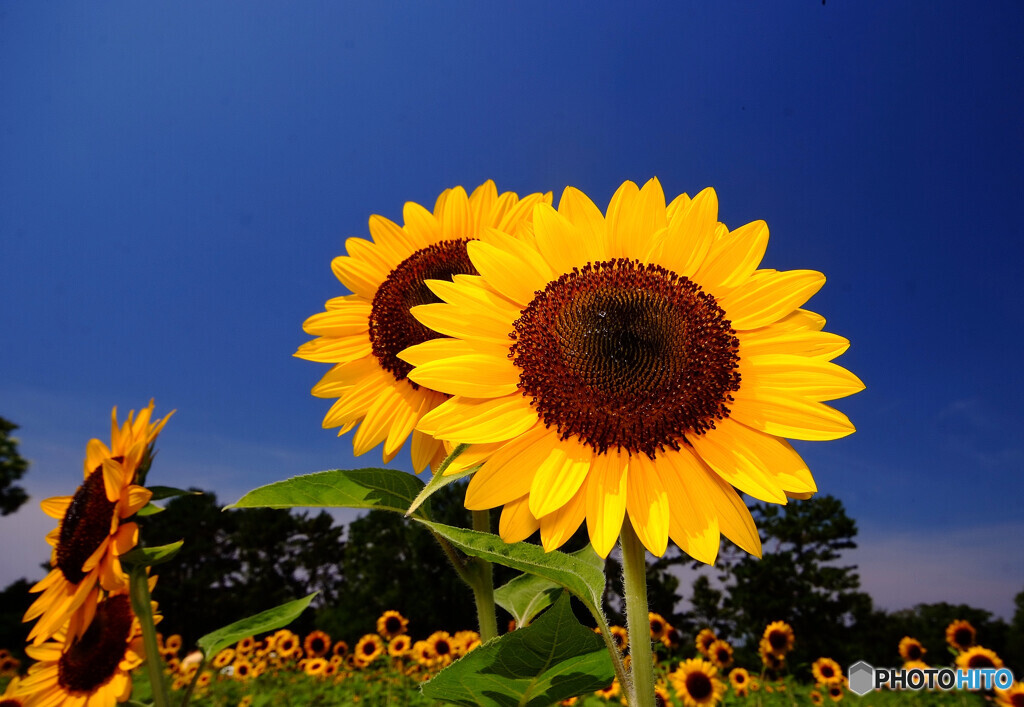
(317, 644)
(1011, 697)
(704, 640)
(826, 671)
(369, 648)
(391, 624)
(465, 641)
(613, 690)
(778, 638)
(620, 636)
(960, 634)
(442, 646)
(720, 653)
(658, 625)
(739, 678)
(362, 333)
(634, 363)
(8, 699)
(423, 653)
(978, 657)
(90, 538)
(836, 690)
(93, 669)
(399, 646)
(911, 649)
(696, 683)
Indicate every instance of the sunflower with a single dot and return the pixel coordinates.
(816, 698)
(340, 649)
(243, 669)
(90, 538)
(224, 658)
(423, 653)
(204, 679)
(92, 666)
(317, 644)
(361, 333)
(465, 641)
(391, 624)
(441, 644)
(911, 649)
(620, 636)
(636, 364)
(173, 643)
(720, 653)
(696, 683)
(613, 690)
(9, 665)
(8, 699)
(1012, 696)
(369, 648)
(246, 645)
(836, 690)
(778, 637)
(662, 698)
(286, 643)
(739, 678)
(315, 666)
(771, 660)
(399, 646)
(978, 657)
(245, 701)
(826, 671)
(704, 640)
(961, 635)
(658, 625)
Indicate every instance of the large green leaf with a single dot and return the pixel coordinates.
(438, 481)
(527, 595)
(162, 492)
(150, 556)
(385, 489)
(213, 643)
(551, 660)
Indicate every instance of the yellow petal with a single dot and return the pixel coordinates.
(424, 448)
(113, 479)
(134, 498)
(354, 318)
(472, 294)
(690, 234)
(517, 523)
(343, 376)
(766, 298)
(379, 417)
(437, 349)
(564, 245)
(723, 450)
(795, 418)
(479, 421)
(357, 400)
(335, 350)
(514, 272)
(559, 477)
(585, 215)
(481, 201)
(453, 321)
(457, 218)
(420, 224)
(558, 526)
(382, 260)
(676, 206)
(788, 375)
(393, 242)
(508, 474)
(521, 212)
(606, 499)
(57, 506)
(474, 376)
(733, 259)
(693, 523)
(808, 342)
(360, 277)
(647, 504)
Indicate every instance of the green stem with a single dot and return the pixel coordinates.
(616, 654)
(634, 573)
(139, 592)
(483, 588)
(192, 684)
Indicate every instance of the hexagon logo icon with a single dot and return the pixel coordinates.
(862, 678)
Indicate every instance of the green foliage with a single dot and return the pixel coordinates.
(382, 489)
(152, 556)
(552, 659)
(269, 620)
(12, 468)
(14, 602)
(527, 595)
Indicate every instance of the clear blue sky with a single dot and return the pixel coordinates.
(176, 177)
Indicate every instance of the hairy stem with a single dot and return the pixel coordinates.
(634, 573)
(483, 588)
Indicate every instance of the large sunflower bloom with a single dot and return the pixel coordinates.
(90, 538)
(361, 333)
(631, 364)
(696, 683)
(93, 670)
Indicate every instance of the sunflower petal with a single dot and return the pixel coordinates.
(517, 523)
(559, 477)
(786, 416)
(558, 526)
(474, 376)
(479, 421)
(766, 298)
(508, 474)
(606, 499)
(648, 505)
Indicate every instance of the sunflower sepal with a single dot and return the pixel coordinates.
(150, 556)
(439, 480)
(553, 659)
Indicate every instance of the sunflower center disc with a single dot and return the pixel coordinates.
(626, 355)
(698, 685)
(392, 328)
(94, 657)
(963, 637)
(85, 526)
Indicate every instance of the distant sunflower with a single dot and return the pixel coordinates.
(612, 690)
(696, 683)
(90, 538)
(911, 649)
(423, 653)
(93, 669)
(340, 648)
(978, 657)
(223, 659)
(704, 640)
(658, 625)
(779, 638)
(391, 624)
(9, 699)
(961, 635)
(246, 645)
(631, 364)
(739, 678)
(362, 333)
(720, 653)
(441, 644)
(465, 641)
(173, 643)
(315, 666)
(662, 698)
(1011, 697)
(621, 638)
(836, 690)
(243, 669)
(369, 648)
(826, 671)
(286, 643)
(771, 660)
(317, 644)
(816, 698)
(399, 646)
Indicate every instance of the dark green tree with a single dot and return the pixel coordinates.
(14, 602)
(12, 468)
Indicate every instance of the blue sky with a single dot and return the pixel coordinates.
(176, 177)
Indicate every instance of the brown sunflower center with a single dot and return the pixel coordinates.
(827, 672)
(1017, 700)
(93, 659)
(442, 647)
(698, 685)
(963, 637)
(659, 700)
(656, 626)
(392, 624)
(723, 655)
(980, 660)
(740, 678)
(835, 691)
(778, 640)
(317, 645)
(10, 702)
(85, 526)
(369, 648)
(914, 652)
(626, 355)
(392, 328)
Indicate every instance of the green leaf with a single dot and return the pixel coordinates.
(385, 489)
(150, 509)
(438, 481)
(527, 595)
(213, 643)
(149, 556)
(551, 660)
(162, 492)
